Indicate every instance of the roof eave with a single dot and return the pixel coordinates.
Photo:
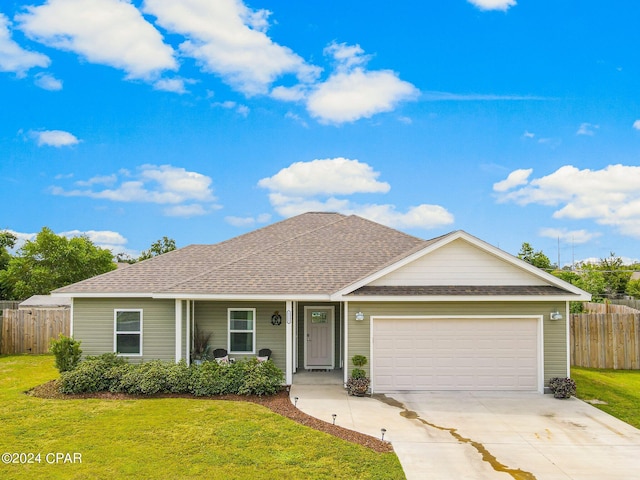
(460, 298)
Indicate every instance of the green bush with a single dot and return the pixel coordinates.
(261, 378)
(111, 373)
(154, 377)
(67, 352)
(94, 374)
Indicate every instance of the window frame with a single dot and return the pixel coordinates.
(252, 331)
(116, 332)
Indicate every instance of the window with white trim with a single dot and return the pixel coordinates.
(242, 330)
(128, 332)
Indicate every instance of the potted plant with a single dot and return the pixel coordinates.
(358, 383)
(562, 387)
(201, 346)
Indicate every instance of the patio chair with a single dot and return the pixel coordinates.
(220, 355)
(264, 354)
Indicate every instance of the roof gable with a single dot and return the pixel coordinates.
(460, 261)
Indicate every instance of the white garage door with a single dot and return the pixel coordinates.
(455, 354)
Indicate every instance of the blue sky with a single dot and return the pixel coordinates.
(516, 121)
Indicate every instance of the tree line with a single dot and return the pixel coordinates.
(51, 261)
(607, 278)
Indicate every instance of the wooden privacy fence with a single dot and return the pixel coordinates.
(591, 307)
(605, 340)
(31, 330)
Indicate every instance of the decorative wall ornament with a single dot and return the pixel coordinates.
(276, 318)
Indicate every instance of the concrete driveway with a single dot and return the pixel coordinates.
(471, 435)
(490, 435)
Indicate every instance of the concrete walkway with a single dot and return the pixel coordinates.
(485, 435)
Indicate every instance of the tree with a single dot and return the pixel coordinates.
(616, 275)
(633, 288)
(7, 241)
(164, 245)
(591, 280)
(51, 261)
(537, 259)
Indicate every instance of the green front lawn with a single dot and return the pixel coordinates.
(620, 389)
(164, 438)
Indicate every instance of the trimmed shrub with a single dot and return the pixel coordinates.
(261, 378)
(67, 352)
(94, 374)
(111, 373)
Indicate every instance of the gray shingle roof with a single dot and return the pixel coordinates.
(312, 253)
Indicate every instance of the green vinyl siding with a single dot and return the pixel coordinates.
(555, 332)
(93, 324)
(211, 317)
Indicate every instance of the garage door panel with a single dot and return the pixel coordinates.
(455, 354)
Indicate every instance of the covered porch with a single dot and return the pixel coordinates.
(306, 337)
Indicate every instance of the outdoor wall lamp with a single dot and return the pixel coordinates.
(359, 316)
(555, 315)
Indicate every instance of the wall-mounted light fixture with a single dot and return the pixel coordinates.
(359, 316)
(555, 315)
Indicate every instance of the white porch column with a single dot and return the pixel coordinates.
(178, 330)
(345, 368)
(288, 374)
(189, 305)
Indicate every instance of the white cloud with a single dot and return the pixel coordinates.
(609, 196)
(98, 180)
(493, 4)
(329, 176)
(313, 186)
(515, 179)
(240, 109)
(175, 85)
(102, 238)
(108, 239)
(587, 129)
(528, 134)
(636, 124)
(48, 82)
(109, 32)
(55, 138)
(14, 58)
(352, 92)
(229, 39)
(248, 221)
(347, 97)
(569, 236)
(187, 211)
(162, 184)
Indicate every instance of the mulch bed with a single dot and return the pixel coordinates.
(278, 403)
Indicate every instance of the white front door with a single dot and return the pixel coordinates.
(319, 338)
